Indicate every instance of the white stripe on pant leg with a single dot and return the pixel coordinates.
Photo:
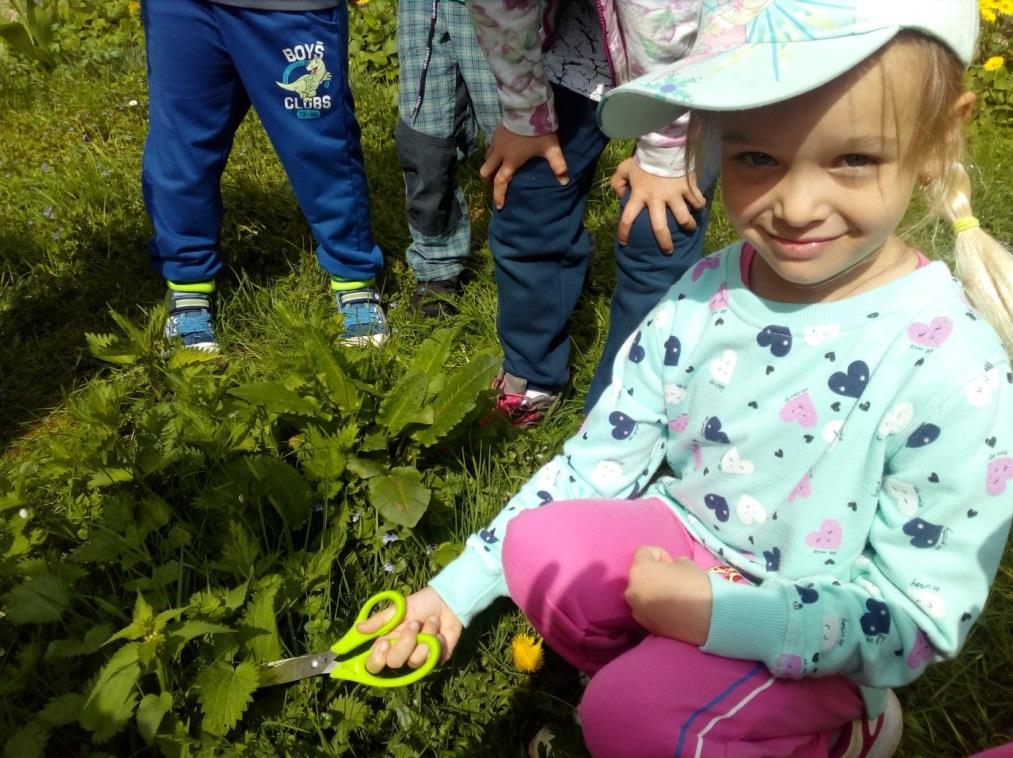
(742, 704)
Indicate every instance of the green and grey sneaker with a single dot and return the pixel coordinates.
(364, 320)
(189, 320)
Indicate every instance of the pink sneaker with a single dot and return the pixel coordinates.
(520, 406)
(872, 738)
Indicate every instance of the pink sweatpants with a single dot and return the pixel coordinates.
(567, 566)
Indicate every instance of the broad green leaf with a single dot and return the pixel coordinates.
(225, 693)
(112, 349)
(259, 627)
(107, 477)
(323, 459)
(458, 397)
(62, 710)
(430, 359)
(39, 600)
(399, 496)
(179, 635)
(94, 638)
(446, 552)
(340, 388)
(284, 487)
(150, 713)
(140, 625)
(239, 551)
(364, 468)
(276, 398)
(403, 404)
(112, 698)
(181, 358)
(28, 742)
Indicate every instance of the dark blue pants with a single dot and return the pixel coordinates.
(541, 253)
(207, 64)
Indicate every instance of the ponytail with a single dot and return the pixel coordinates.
(984, 266)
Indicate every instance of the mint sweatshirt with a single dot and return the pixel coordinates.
(854, 459)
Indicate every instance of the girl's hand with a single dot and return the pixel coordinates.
(426, 613)
(670, 597)
(658, 194)
(508, 152)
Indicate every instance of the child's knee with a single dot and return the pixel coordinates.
(614, 721)
(429, 165)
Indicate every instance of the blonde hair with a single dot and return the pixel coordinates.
(983, 265)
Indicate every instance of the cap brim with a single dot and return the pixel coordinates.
(747, 76)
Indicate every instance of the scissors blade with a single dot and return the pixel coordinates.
(293, 669)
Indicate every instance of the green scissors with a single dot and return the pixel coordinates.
(354, 668)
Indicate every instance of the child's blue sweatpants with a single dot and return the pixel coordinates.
(207, 64)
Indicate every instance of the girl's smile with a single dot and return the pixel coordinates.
(818, 184)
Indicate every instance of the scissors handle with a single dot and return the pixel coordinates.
(354, 669)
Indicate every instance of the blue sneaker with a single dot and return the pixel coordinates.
(364, 320)
(190, 320)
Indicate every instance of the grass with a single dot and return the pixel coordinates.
(72, 246)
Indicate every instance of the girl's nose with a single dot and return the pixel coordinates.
(799, 200)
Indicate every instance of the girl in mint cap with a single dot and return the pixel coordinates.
(761, 528)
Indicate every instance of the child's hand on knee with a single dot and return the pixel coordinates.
(658, 194)
(508, 152)
(426, 613)
(670, 597)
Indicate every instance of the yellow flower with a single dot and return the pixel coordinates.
(527, 653)
(134, 7)
(987, 8)
(996, 61)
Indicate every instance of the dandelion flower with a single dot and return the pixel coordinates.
(987, 8)
(527, 653)
(993, 63)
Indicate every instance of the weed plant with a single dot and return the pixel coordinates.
(168, 522)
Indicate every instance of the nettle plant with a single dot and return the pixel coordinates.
(192, 519)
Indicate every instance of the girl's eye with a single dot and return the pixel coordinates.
(857, 160)
(756, 159)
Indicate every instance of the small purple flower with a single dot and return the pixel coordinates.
(389, 537)
(388, 567)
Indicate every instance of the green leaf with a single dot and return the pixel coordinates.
(284, 488)
(150, 713)
(430, 359)
(109, 476)
(326, 365)
(62, 710)
(39, 600)
(323, 459)
(112, 698)
(239, 551)
(140, 625)
(94, 638)
(276, 398)
(459, 397)
(224, 694)
(259, 627)
(28, 742)
(399, 496)
(364, 468)
(403, 404)
(179, 635)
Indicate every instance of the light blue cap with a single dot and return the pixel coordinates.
(751, 53)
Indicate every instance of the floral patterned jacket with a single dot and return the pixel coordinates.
(640, 36)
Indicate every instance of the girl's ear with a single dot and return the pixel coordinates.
(962, 109)
(963, 106)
